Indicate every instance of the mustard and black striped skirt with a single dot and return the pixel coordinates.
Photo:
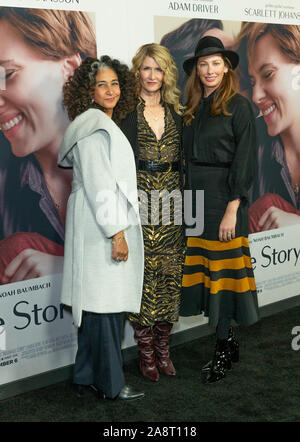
(218, 277)
(218, 281)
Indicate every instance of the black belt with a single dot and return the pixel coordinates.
(158, 166)
(203, 163)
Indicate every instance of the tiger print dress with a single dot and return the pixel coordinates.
(163, 240)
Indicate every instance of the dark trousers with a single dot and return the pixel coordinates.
(99, 359)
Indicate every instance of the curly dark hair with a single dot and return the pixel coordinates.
(78, 90)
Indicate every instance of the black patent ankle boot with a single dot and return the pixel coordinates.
(234, 351)
(221, 362)
(233, 346)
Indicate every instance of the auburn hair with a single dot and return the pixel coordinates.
(194, 90)
(54, 33)
(286, 36)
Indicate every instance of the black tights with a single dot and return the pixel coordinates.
(223, 327)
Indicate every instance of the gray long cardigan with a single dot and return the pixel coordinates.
(104, 190)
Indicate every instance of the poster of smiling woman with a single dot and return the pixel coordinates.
(270, 72)
(39, 51)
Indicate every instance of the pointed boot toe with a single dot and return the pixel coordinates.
(130, 394)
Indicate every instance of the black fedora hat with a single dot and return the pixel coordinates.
(208, 46)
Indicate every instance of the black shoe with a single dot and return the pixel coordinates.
(221, 362)
(128, 393)
(82, 391)
(206, 367)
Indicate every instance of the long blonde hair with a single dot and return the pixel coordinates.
(227, 89)
(169, 92)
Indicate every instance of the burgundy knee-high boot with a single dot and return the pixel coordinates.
(144, 337)
(161, 331)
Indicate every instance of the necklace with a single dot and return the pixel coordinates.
(296, 189)
(156, 118)
(295, 186)
(51, 193)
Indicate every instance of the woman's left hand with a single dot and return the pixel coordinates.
(227, 226)
(228, 223)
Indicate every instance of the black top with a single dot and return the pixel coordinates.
(226, 140)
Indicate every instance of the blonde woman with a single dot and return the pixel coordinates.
(154, 131)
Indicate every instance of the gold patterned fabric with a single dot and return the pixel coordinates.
(163, 240)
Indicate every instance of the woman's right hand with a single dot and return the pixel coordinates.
(227, 227)
(119, 247)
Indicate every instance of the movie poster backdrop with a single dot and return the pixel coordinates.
(36, 332)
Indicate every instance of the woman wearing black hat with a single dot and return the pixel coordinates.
(220, 146)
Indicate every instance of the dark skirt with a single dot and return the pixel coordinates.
(218, 277)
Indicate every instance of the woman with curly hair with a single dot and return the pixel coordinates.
(77, 96)
(154, 131)
(103, 265)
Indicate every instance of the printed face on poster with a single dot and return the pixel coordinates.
(36, 332)
(34, 191)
